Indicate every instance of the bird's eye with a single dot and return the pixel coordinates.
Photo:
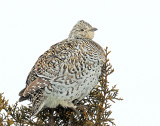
(82, 30)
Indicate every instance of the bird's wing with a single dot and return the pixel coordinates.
(49, 65)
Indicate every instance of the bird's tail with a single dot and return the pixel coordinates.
(38, 102)
(37, 108)
(22, 98)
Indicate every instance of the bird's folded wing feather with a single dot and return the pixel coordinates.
(49, 65)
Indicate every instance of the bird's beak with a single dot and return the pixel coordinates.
(93, 29)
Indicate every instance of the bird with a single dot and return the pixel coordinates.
(66, 72)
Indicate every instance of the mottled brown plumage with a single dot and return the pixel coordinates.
(67, 71)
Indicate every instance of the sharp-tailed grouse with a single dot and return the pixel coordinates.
(68, 71)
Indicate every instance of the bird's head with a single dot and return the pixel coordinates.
(82, 30)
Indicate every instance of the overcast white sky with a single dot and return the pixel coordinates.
(130, 28)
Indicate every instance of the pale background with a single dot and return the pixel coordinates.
(130, 28)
